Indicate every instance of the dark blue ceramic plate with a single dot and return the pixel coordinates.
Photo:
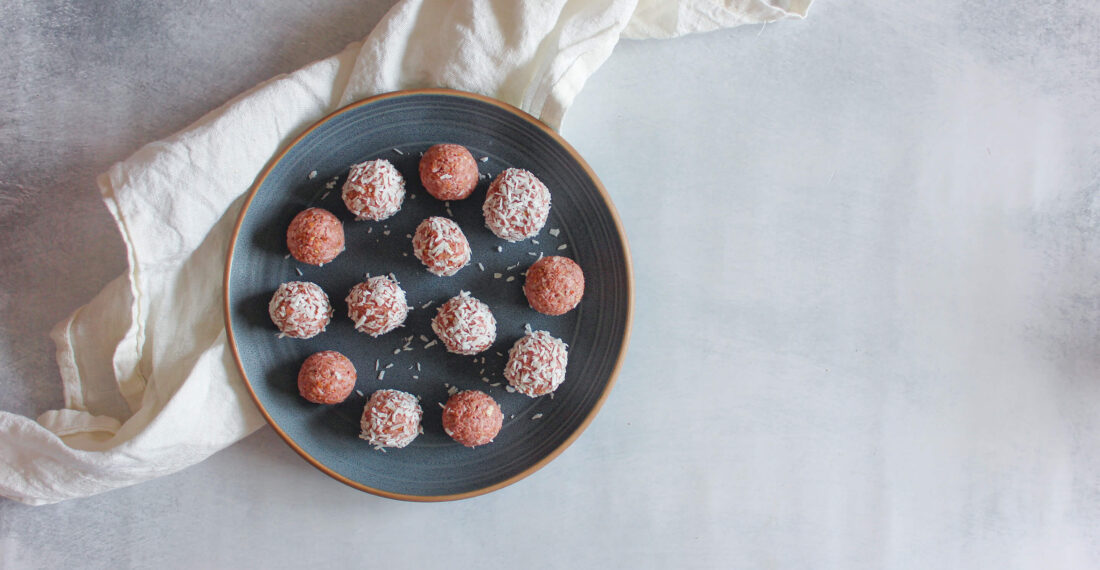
(582, 225)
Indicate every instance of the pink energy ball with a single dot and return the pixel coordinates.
(377, 305)
(554, 285)
(315, 236)
(448, 172)
(326, 378)
(472, 418)
(536, 364)
(441, 246)
(516, 205)
(465, 325)
(300, 309)
(374, 190)
(391, 418)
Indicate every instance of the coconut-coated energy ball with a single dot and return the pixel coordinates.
(465, 325)
(300, 309)
(536, 364)
(554, 285)
(472, 418)
(448, 172)
(391, 418)
(441, 246)
(516, 205)
(315, 236)
(326, 377)
(374, 190)
(377, 305)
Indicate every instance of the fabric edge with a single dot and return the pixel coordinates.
(659, 19)
(127, 356)
(71, 383)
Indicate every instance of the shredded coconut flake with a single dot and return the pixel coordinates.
(465, 325)
(391, 419)
(300, 309)
(373, 190)
(536, 363)
(516, 205)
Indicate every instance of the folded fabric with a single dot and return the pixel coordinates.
(150, 384)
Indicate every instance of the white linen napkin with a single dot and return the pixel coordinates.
(150, 384)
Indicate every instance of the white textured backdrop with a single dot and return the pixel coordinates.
(867, 251)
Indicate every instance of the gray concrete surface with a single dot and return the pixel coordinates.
(867, 250)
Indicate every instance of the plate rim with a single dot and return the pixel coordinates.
(618, 226)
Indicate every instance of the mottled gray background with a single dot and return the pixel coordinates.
(868, 295)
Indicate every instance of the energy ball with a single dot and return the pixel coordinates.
(465, 325)
(374, 190)
(448, 172)
(554, 285)
(391, 418)
(472, 418)
(536, 364)
(377, 306)
(326, 378)
(315, 236)
(441, 246)
(516, 205)
(300, 309)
